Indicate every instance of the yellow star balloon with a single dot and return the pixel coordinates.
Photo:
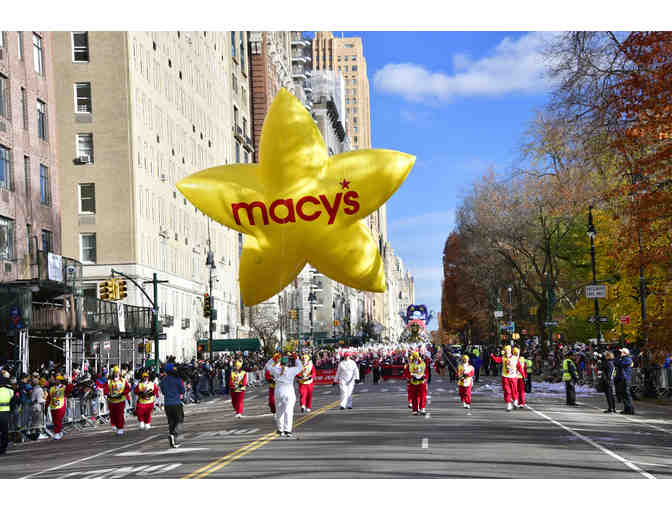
(298, 205)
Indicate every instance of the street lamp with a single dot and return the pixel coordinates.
(591, 234)
(510, 289)
(311, 299)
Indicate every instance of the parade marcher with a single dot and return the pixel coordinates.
(418, 380)
(521, 377)
(625, 364)
(147, 391)
(406, 374)
(570, 377)
(271, 382)
(285, 398)
(173, 389)
(6, 395)
(376, 371)
(528, 372)
(346, 375)
(306, 378)
(510, 368)
(237, 385)
(465, 382)
(57, 402)
(608, 374)
(117, 390)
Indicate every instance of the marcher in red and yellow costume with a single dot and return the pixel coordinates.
(271, 383)
(117, 390)
(418, 382)
(237, 384)
(510, 369)
(306, 378)
(57, 398)
(520, 378)
(146, 391)
(465, 381)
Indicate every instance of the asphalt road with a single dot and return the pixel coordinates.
(379, 438)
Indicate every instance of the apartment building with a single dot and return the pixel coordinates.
(30, 198)
(136, 112)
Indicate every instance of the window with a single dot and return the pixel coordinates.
(7, 234)
(244, 126)
(353, 57)
(19, 44)
(45, 190)
(353, 68)
(354, 100)
(233, 44)
(80, 46)
(5, 168)
(356, 139)
(354, 82)
(246, 158)
(339, 58)
(83, 97)
(354, 120)
(87, 198)
(42, 120)
(347, 110)
(47, 241)
(349, 45)
(237, 152)
(85, 147)
(242, 52)
(28, 235)
(356, 129)
(87, 244)
(4, 96)
(2, 38)
(235, 116)
(38, 57)
(26, 175)
(24, 108)
(347, 100)
(346, 69)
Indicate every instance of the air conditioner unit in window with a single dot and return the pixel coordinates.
(163, 232)
(185, 323)
(163, 178)
(84, 159)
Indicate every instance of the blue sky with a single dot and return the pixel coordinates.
(460, 102)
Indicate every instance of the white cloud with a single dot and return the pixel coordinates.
(514, 66)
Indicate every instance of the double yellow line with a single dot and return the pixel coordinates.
(218, 464)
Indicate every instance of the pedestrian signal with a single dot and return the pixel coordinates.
(106, 290)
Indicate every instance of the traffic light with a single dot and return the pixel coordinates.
(121, 291)
(106, 290)
(206, 305)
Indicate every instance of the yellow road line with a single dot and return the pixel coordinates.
(244, 450)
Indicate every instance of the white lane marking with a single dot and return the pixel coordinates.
(641, 422)
(364, 390)
(596, 445)
(650, 464)
(169, 468)
(427, 416)
(160, 452)
(89, 457)
(127, 470)
(385, 389)
(425, 442)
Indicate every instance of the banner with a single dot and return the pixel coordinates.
(325, 376)
(393, 372)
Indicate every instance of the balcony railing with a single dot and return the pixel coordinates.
(68, 273)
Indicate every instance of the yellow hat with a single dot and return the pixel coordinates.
(43, 381)
(277, 356)
(145, 374)
(59, 377)
(239, 364)
(306, 357)
(115, 368)
(465, 358)
(516, 350)
(507, 348)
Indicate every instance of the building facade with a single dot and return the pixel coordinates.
(30, 199)
(137, 112)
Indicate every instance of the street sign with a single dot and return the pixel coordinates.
(499, 314)
(601, 319)
(596, 291)
(163, 336)
(551, 323)
(625, 319)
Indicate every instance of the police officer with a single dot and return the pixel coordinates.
(6, 395)
(173, 390)
(528, 369)
(570, 377)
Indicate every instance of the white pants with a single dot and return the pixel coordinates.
(346, 393)
(284, 408)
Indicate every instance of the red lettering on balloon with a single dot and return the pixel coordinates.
(289, 204)
(249, 208)
(348, 198)
(332, 209)
(302, 202)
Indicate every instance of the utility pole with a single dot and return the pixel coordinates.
(211, 266)
(592, 233)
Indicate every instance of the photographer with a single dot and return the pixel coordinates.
(625, 365)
